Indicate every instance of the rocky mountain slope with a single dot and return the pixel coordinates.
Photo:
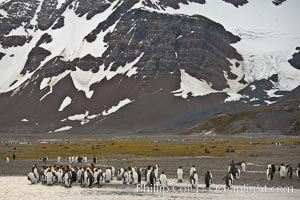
(122, 66)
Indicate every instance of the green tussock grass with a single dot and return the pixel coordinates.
(139, 148)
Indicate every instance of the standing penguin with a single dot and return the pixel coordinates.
(126, 177)
(133, 177)
(282, 171)
(107, 175)
(120, 173)
(180, 174)
(67, 179)
(156, 172)
(36, 172)
(59, 174)
(298, 171)
(90, 178)
(163, 180)
(49, 177)
(139, 172)
(58, 159)
(269, 172)
(289, 172)
(194, 179)
(113, 172)
(192, 170)
(79, 175)
(96, 173)
(152, 178)
(208, 179)
(273, 167)
(148, 172)
(228, 180)
(243, 167)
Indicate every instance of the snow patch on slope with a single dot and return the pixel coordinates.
(196, 87)
(63, 129)
(190, 84)
(269, 35)
(51, 81)
(16, 58)
(69, 41)
(24, 120)
(83, 118)
(59, 3)
(117, 107)
(66, 102)
(84, 79)
(3, 13)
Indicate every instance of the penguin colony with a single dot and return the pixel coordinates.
(95, 176)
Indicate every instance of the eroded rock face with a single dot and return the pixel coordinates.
(278, 2)
(159, 44)
(237, 3)
(295, 61)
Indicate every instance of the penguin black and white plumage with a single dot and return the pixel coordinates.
(228, 180)
(108, 175)
(58, 159)
(282, 171)
(120, 173)
(269, 174)
(42, 174)
(163, 180)
(237, 173)
(84, 178)
(79, 175)
(243, 167)
(113, 172)
(59, 174)
(208, 179)
(96, 173)
(139, 173)
(180, 174)
(192, 170)
(32, 178)
(68, 179)
(36, 172)
(289, 171)
(126, 177)
(298, 170)
(273, 167)
(99, 179)
(133, 177)
(152, 178)
(156, 172)
(148, 173)
(194, 179)
(74, 176)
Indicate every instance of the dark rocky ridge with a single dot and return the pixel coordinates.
(168, 43)
(237, 3)
(295, 61)
(278, 2)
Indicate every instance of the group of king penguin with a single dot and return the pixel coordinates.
(285, 170)
(91, 175)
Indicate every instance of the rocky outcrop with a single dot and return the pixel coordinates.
(157, 46)
(237, 3)
(295, 61)
(278, 2)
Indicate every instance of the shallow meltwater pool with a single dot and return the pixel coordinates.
(17, 188)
